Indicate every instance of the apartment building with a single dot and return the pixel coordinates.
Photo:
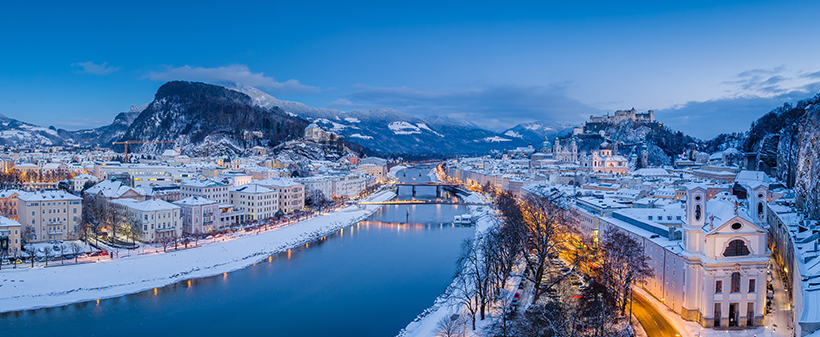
(160, 219)
(205, 188)
(51, 215)
(255, 201)
(8, 203)
(199, 215)
(10, 232)
(291, 195)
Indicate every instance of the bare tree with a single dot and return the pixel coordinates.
(449, 326)
(31, 251)
(76, 249)
(623, 262)
(133, 227)
(62, 252)
(547, 227)
(465, 291)
(48, 252)
(95, 214)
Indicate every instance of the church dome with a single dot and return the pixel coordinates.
(605, 146)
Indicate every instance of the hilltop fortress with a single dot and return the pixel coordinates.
(620, 116)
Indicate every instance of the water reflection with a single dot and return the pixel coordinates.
(335, 286)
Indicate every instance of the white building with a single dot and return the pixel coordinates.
(255, 201)
(714, 272)
(291, 194)
(80, 180)
(349, 185)
(205, 188)
(160, 219)
(322, 183)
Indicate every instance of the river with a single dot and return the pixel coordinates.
(368, 279)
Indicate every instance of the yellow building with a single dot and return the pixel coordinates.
(49, 215)
(10, 230)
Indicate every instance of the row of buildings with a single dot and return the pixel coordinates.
(713, 233)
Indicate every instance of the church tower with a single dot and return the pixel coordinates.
(758, 197)
(574, 148)
(644, 156)
(557, 147)
(695, 219)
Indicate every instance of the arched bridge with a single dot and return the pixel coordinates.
(439, 186)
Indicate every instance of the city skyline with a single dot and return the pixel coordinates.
(704, 68)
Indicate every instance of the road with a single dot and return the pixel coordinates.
(653, 322)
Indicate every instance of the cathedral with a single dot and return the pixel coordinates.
(557, 152)
(605, 161)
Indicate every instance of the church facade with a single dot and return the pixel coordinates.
(710, 265)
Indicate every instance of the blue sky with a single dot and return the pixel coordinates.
(705, 66)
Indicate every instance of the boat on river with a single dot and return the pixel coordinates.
(464, 219)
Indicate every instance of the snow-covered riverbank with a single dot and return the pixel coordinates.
(55, 286)
(445, 306)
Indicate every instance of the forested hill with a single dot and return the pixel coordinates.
(209, 120)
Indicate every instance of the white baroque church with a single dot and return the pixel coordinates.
(726, 258)
(711, 263)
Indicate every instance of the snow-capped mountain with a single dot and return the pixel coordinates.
(205, 120)
(535, 132)
(388, 130)
(14, 133)
(104, 135)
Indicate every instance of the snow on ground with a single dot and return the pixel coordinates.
(424, 126)
(22, 289)
(425, 324)
(403, 128)
(511, 133)
(496, 139)
(359, 135)
(394, 170)
(687, 328)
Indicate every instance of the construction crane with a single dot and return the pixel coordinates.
(125, 143)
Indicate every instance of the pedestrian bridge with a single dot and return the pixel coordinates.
(423, 202)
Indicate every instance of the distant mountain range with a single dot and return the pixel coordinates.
(229, 118)
(535, 132)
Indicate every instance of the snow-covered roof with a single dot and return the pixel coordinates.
(6, 222)
(146, 206)
(649, 172)
(48, 195)
(201, 183)
(194, 201)
(9, 193)
(278, 182)
(251, 189)
(85, 176)
(111, 189)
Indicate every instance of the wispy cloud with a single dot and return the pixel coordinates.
(238, 73)
(707, 119)
(95, 69)
(493, 107)
(769, 82)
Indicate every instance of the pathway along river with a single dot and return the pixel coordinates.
(369, 279)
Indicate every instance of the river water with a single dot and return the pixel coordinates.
(368, 279)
